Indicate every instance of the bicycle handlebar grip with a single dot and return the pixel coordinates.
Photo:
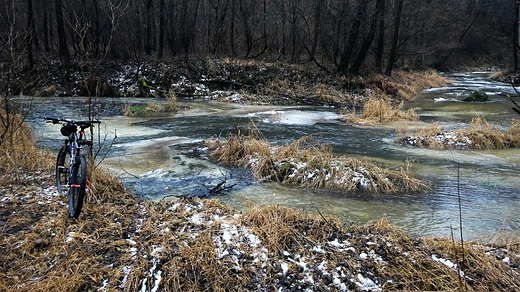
(52, 120)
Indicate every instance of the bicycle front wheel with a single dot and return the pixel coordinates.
(62, 170)
(78, 185)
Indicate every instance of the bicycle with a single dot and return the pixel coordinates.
(71, 164)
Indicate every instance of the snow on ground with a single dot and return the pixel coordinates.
(346, 263)
(449, 139)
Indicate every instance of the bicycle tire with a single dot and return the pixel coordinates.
(62, 170)
(78, 186)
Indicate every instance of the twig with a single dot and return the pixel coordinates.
(109, 147)
(174, 196)
(327, 221)
(456, 257)
(460, 224)
(126, 170)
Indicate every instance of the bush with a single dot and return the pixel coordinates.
(477, 96)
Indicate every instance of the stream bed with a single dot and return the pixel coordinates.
(162, 155)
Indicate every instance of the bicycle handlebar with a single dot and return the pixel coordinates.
(79, 123)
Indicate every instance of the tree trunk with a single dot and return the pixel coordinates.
(219, 25)
(264, 32)
(516, 42)
(294, 30)
(45, 28)
(352, 37)
(96, 31)
(148, 45)
(30, 34)
(395, 38)
(356, 66)
(60, 27)
(232, 29)
(381, 39)
(317, 25)
(161, 28)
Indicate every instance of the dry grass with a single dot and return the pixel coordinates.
(308, 164)
(406, 85)
(171, 101)
(386, 101)
(121, 244)
(380, 109)
(280, 227)
(170, 106)
(18, 153)
(479, 135)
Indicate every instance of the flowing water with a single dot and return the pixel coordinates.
(161, 156)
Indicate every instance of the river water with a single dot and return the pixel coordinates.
(161, 156)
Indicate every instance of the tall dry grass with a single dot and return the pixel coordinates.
(308, 164)
(480, 134)
(380, 109)
(406, 85)
(18, 152)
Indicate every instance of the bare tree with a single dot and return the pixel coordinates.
(352, 37)
(395, 37)
(516, 37)
(60, 27)
(381, 38)
(356, 66)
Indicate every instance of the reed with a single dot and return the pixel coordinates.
(18, 152)
(406, 85)
(380, 109)
(480, 134)
(308, 164)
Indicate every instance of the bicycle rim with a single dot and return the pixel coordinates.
(78, 186)
(62, 170)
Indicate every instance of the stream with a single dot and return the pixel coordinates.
(162, 155)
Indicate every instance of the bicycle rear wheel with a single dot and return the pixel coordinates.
(62, 170)
(78, 186)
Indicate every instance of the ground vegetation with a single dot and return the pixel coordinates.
(480, 134)
(306, 163)
(122, 244)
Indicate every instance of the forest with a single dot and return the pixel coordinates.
(348, 36)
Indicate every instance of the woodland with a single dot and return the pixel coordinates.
(345, 37)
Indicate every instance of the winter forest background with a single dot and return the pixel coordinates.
(350, 36)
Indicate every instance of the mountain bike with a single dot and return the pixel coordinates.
(71, 164)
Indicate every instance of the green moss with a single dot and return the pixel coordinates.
(477, 96)
(138, 109)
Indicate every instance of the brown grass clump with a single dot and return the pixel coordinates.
(381, 110)
(18, 152)
(479, 135)
(406, 85)
(280, 227)
(171, 101)
(308, 164)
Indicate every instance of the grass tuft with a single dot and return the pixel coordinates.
(380, 109)
(479, 135)
(309, 164)
(406, 85)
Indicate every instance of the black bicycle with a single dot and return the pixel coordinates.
(71, 164)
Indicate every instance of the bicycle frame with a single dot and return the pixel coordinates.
(71, 143)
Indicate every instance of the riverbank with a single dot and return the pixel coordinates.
(122, 244)
(225, 80)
